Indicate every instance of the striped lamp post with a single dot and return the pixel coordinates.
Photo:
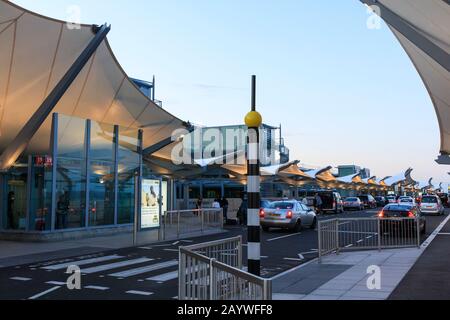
(253, 121)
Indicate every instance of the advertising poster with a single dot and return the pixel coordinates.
(151, 190)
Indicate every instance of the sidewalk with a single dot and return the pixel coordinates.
(429, 279)
(344, 276)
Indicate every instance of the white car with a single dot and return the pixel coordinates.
(391, 199)
(431, 205)
(407, 200)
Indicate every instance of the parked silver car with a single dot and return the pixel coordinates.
(287, 214)
(353, 203)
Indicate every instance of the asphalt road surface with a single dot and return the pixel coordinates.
(151, 272)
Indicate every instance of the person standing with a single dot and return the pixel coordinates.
(198, 206)
(318, 203)
(242, 212)
(10, 210)
(224, 205)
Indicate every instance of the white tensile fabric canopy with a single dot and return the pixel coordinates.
(423, 29)
(35, 53)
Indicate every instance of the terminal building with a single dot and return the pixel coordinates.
(84, 148)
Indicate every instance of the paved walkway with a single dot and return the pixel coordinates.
(345, 276)
(429, 279)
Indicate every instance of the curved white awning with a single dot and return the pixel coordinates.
(35, 53)
(423, 29)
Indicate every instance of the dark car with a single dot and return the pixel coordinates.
(331, 202)
(368, 201)
(381, 201)
(400, 219)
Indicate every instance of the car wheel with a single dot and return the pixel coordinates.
(314, 224)
(298, 226)
(266, 229)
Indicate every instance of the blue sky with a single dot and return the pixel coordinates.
(344, 94)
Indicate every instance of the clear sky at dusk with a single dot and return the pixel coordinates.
(343, 93)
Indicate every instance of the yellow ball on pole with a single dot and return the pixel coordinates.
(253, 119)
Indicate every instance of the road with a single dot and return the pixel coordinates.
(150, 272)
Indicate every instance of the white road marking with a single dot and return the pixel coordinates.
(369, 237)
(264, 257)
(20, 279)
(43, 293)
(175, 243)
(359, 241)
(145, 248)
(435, 233)
(171, 250)
(164, 277)
(56, 283)
(349, 246)
(293, 259)
(444, 234)
(153, 267)
(309, 252)
(81, 262)
(283, 237)
(115, 265)
(301, 257)
(140, 293)
(97, 288)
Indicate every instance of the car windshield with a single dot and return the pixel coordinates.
(429, 200)
(363, 198)
(406, 200)
(390, 198)
(281, 205)
(351, 199)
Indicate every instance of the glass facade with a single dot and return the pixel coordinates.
(88, 182)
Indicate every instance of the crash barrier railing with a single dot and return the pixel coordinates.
(367, 234)
(182, 222)
(213, 271)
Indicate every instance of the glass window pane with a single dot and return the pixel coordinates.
(70, 193)
(102, 141)
(41, 194)
(101, 197)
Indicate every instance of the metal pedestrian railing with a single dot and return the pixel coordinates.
(213, 271)
(367, 234)
(183, 222)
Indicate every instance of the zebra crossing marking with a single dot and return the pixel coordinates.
(81, 262)
(115, 265)
(145, 269)
(164, 277)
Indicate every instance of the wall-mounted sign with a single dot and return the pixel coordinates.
(150, 209)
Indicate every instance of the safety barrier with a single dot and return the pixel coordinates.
(213, 271)
(367, 233)
(183, 222)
